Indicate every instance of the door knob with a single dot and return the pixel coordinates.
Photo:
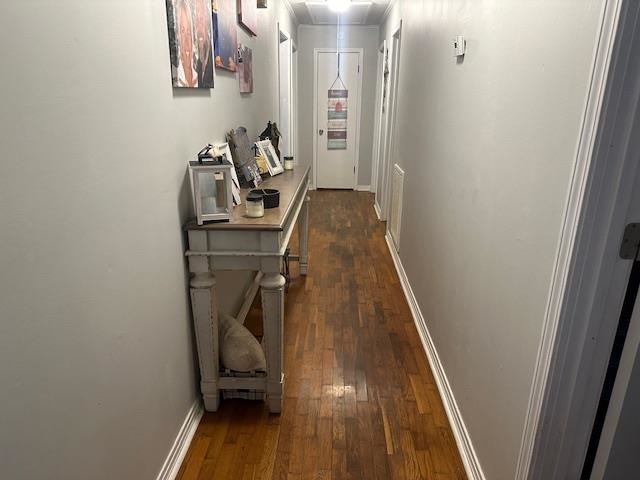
(320, 132)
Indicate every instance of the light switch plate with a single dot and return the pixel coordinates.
(459, 46)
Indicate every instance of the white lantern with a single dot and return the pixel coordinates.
(211, 186)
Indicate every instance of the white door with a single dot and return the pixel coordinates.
(337, 98)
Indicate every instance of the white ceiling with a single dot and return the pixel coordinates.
(316, 12)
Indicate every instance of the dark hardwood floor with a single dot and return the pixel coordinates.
(360, 399)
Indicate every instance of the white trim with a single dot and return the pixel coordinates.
(377, 119)
(295, 60)
(289, 86)
(359, 117)
(388, 129)
(587, 285)
(377, 209)
(363, 188)
(314, 164)
(458, 427)
(172, 464)
(392, 115)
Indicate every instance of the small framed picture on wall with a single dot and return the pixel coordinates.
(248, 16)
(245, 69)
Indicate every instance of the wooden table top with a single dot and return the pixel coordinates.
(289, 183)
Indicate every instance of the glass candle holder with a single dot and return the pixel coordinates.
(288, 163)
(255, 205)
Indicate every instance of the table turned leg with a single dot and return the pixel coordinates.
(272, 286)
(303, 235)
(205, 318)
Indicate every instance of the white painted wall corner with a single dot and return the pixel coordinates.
(363, 188)
(463, 440)
(178, 451)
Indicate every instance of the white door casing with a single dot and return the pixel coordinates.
(386, 104)
(336, 168)
(389, 132)
(294, 117)
(285, 86)
(377, 122)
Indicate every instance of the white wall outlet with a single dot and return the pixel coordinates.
(459, 46)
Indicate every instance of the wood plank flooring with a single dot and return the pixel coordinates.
(360, 399)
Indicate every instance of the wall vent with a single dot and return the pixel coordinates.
(395, 212)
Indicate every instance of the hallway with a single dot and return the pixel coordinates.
(360, 399)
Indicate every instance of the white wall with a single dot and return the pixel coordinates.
(96, 351)
(322, 36)
(487, 145)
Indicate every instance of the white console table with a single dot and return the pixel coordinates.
(256, 244)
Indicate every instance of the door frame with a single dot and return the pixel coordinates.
(589, 280)
(316, 52)
(377, 120)
(388, 130)
(295, 58)
(291, 47)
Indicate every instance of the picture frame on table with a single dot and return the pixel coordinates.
(255, 174)
(269, 153)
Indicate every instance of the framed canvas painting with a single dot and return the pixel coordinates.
(190, 43)
(248, 16)
(245, 69)
(225, 36)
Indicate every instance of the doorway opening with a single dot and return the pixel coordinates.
(287, 77)
(387, 105)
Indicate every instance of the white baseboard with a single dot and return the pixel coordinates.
(363, 188)
(377, 209)
(181, 444)
(465, 446)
